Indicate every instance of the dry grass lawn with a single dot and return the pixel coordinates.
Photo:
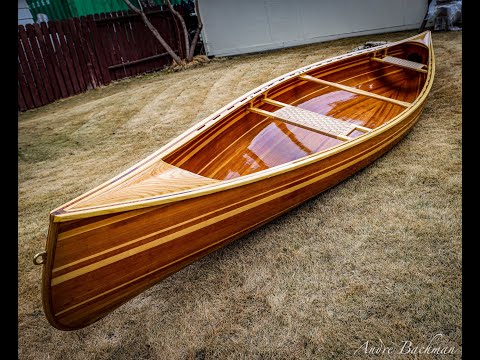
(377, 258)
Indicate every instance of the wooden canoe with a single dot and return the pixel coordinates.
(259, 156)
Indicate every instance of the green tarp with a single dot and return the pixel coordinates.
(64, 9)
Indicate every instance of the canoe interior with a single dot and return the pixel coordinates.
(244, 142)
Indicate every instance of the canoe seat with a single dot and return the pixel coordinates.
(309, 119)
(403, 63)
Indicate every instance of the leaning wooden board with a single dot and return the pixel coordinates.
(256, 158)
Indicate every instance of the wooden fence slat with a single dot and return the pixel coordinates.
(132, 47)
(123, 44)
(81, 52)
(59, 85)
(39, 65)
(176, 37)
(85, 36)
(52, 28)
(52, 81)
(144, 41)
(129, 45)
(119, 73)
(134, 31)
(105, 43)
(69, 30)
(119, 56)
(21, 101)
(68, 58)
(117, 59)
(155, 46)
(142, 38)
(99, 51)
(36, 63)
(29, 67)
(23, 89)
(91, 50)
(104, 30)
(168, 24)
(41, 61)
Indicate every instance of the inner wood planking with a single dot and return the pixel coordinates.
(256, 143)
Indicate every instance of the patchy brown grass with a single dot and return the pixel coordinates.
(376, 257)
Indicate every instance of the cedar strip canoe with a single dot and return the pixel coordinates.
(256, 158)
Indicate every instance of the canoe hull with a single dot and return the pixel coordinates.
(123, 254)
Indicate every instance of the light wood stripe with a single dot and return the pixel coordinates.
(98, 224)
(354, 90)
(275, 102)
(208, 222)
(191, 220)
(170, 264)
(362, 128)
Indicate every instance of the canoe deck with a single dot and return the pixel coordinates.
(158, 179)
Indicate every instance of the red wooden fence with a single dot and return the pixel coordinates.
(59, 59)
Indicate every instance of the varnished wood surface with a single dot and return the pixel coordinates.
(221, 181)
(158, 179)
(227, 154)
(355, 90)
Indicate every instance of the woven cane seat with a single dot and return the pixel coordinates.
(310, 119)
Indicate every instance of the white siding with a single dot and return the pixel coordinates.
(24, 14)
(241, 26)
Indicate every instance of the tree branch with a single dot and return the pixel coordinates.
(159, 37)
(184, 27)
(197, 33)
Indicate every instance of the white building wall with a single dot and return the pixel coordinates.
(24, 14)
(242, 26)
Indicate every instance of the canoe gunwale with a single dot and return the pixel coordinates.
(63, 213)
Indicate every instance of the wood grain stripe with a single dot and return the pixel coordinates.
(112, 220)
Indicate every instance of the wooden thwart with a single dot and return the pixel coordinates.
(403, 63)
(355, 90)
